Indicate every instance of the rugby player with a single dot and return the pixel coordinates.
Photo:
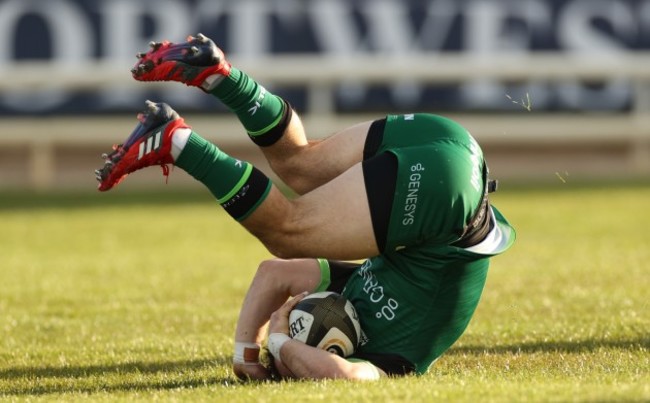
(407, 195)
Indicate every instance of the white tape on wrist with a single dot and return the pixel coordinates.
(246, 353)
(275, 343)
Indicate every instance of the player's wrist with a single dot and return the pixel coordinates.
(275, 343)
(246, 353)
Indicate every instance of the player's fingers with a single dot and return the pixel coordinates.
(290, 304)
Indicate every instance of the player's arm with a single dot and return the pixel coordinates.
(303, 361)
(310, 362)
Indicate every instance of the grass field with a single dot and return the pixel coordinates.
(129, 297)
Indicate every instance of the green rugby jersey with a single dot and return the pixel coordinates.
(418, 297)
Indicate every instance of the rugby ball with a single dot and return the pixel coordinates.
(326, 320)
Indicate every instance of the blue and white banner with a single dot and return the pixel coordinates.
(73, 31)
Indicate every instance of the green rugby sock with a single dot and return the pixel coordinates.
(258, 110)
(238, 186)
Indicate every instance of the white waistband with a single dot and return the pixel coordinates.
(494, 242)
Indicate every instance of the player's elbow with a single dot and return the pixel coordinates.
(363, 371)
(352, 371)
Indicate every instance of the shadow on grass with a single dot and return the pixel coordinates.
(26, 200)
(578, 346)
(37, 381)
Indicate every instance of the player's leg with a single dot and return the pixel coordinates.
(332, 221)
(271, 123)
(274, 282)
(269, 120)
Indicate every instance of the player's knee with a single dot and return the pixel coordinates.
(282, 251)
(294, 173)
(282, 237)
(283, 242)
(268, 271)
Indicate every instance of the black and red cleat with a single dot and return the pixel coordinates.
(149, 144)
(189, 63)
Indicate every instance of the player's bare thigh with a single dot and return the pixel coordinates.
(332, 221)
(304, 166)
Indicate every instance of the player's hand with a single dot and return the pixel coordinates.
(279, 322)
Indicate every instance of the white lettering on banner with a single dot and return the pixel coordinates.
(576, 33)
(70, 35)
(121, 38)
(574, 29)
(392, 32)
(389, 31)
(250, 28)
(485, 32)
(338, 28)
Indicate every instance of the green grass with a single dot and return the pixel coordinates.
(133, 297)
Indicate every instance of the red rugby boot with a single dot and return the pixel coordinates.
(189, 63)
(149, 144)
